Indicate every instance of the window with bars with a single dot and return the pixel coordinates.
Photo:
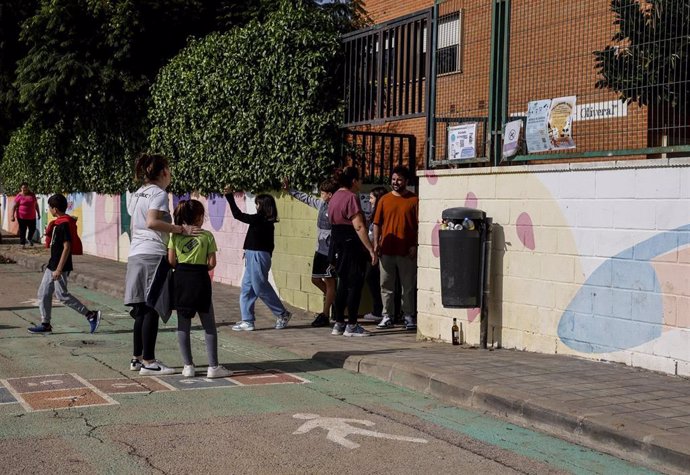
(448, 49)
(386, 69)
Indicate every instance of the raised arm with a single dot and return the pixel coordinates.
(306, 198)
(238, 214)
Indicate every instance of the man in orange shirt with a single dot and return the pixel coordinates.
(395, 240)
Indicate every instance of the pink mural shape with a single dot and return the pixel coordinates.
(471, 200)
(525, 230)
(431, 177)
(434, 240)
(472, 314)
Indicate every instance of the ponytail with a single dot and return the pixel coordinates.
(148, 167)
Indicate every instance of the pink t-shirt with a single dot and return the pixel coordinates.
(26, 206)
(343, 206)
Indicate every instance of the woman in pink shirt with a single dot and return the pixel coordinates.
(26, 210)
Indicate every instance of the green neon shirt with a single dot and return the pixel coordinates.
(193, 249)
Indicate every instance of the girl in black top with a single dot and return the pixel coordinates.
(258, 248)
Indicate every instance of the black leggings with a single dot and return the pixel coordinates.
(145, 331)
(350, 282)
(25, 224)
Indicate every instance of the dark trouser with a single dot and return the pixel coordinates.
(374, 283)
(24, 225)
(145, 331)
(350, 281)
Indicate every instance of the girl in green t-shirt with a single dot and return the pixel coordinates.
(193, 257)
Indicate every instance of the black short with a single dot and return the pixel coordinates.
(321, 268)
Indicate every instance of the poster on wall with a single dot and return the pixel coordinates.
(511, 138)
(537, 129)
(462, 141)
(561, 115)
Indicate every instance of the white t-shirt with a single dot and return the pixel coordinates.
(145, 240)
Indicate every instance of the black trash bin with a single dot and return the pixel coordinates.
(461, 243)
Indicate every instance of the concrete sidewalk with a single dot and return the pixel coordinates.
(636, 414)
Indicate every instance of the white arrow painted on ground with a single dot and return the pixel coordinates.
(338, 429)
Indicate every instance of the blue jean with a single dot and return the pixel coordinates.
(255, 285)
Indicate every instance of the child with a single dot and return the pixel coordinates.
(373, 275)
(322, 273)
(193, 257)
(258, 248)
(57, 272)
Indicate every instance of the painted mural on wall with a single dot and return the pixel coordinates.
(104, 226)
(598, 260)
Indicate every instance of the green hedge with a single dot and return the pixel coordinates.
(253, 105)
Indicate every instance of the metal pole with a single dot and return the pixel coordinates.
(486, 286)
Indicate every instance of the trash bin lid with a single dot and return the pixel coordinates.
(462, 213)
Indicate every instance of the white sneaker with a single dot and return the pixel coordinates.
(282, 321)
(155, 368)
(218, 372)
(386, 322)
(370, 317)
(135, 364)
(243, 326)
(410, 322)
(189, 371)
(355, 330)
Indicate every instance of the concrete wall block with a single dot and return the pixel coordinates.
(564, 294)
(427, 258)
(426, 233)
(657, 183)
(442, 188)
(634, 214)
(613, 242)
(653, 363)
(595, 214)
(555, 268)
(430, 326)
(615, 184)
(522, 264)
(671, 213)
(293, 281)
(429, 279)
(578, 185)
(300, 299)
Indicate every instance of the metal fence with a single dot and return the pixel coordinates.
(377, 153)
(610, 76)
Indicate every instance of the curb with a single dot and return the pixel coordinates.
(632, 441)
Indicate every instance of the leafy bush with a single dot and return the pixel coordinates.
(253, 105)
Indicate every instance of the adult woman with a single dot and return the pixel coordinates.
(147, 265)
(349, 246)
(26, 210)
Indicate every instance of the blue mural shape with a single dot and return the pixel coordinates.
(620, 305)
(216, 210)
(178, 198)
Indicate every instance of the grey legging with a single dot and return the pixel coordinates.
(184, 326)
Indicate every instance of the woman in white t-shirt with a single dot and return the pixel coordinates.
(147, 265)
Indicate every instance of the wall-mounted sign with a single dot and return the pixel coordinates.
(537, 129)
(511, 138)
(601, 110)
(462, 141)
(561, 123)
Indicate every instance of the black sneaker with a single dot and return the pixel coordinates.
(320, 320)
(41, 328)
(94, 318)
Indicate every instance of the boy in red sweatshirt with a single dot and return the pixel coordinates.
(57, 271)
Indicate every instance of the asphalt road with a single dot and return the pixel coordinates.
(69, 404)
